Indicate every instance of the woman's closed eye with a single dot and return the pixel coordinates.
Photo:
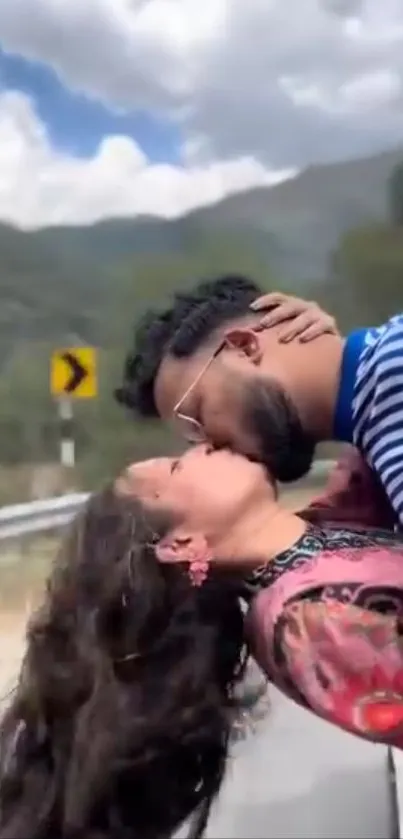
(174, 465)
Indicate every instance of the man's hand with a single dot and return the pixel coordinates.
(303, 319)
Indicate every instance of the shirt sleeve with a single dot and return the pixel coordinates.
(347, 663)
(353, 495)
(379, 413)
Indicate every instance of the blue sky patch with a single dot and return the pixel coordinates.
(76, 124)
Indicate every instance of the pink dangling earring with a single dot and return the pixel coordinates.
(198, 571)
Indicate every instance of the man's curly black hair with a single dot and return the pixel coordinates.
(180, 330)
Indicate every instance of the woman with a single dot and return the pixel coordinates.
(120, 723)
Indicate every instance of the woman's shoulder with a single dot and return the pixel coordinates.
(361, 568)
(322, 550)
(335, 534)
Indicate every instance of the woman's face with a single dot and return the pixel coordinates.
(207, 489)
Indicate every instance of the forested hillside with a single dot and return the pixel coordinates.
(334, 233)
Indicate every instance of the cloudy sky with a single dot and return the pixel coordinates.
(119, 107)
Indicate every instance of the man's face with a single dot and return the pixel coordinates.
(222, 394)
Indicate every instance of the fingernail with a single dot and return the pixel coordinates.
(253, 305)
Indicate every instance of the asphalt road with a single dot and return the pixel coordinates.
(301, 778)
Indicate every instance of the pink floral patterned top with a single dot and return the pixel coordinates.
(326, 619)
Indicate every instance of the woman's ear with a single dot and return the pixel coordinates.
(245, 341)
(183, 546)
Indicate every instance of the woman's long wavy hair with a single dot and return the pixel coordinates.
(120, 723)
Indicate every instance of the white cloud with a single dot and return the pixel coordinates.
(371, 90)
(219, 67)
(39, 186)
(127, 52)
(255, 87)
(357, 95)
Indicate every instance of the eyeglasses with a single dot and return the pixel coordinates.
(188, 427)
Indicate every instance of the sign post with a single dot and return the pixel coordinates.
(73, 375)
(67, 438)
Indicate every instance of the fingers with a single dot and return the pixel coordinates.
(275, 298)
(299, 327)
(317, 328)
(291, 308)
(308, 326)
(303, 319)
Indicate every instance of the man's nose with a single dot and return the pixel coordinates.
(209, 448)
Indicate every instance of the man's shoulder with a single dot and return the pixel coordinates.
(379, 373)
(381, 342)
(380, 335)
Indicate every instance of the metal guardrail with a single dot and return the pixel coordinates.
(54, 513)
(39, 516)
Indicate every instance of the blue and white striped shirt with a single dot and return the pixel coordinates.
(369, 411)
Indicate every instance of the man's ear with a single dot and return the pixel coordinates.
(183, 546)
(246, 342)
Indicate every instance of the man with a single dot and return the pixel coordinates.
(210, 364)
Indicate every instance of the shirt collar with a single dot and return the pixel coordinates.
(343, 425)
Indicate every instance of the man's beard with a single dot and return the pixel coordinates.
(279, 440)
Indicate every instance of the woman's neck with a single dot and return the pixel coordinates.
(263, 532)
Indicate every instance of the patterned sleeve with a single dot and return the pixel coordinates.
(347, 663)
(353, 495)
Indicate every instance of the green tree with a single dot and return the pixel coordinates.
(367, 272)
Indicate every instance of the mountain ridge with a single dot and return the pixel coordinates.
(60, 279)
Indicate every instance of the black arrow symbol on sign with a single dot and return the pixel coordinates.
(78, 372)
